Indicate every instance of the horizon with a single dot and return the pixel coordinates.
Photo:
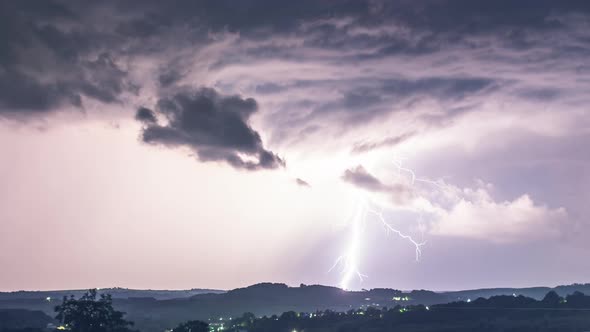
(293, 286)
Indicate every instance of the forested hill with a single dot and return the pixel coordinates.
(116, 293)
(156, 310)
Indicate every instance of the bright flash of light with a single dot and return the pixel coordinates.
(413, 179)
(349, 261)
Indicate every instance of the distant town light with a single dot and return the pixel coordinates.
(468, 300)
(48, 298)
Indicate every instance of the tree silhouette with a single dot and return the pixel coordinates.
(552, 299)
(246, 319)
(192, 326)
(89, 314)
(578, 300)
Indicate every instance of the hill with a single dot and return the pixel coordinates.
(159, 310)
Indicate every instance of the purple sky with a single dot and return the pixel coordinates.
(217, 144)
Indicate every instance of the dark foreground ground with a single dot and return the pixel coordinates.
(439, 320)
(275, 307)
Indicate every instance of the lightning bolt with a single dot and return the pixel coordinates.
(349, 261)
(413, 179)
(389, 228)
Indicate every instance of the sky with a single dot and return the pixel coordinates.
(437, 144)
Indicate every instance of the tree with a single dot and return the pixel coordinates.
(192, 326)
(578, 300)
(373, 312)
(288, 316)
(552, 299)
(89, 314)
(246, 320)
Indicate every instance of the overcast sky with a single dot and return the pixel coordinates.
(217, 144)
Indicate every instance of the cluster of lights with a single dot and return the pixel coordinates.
(400, 298)
(216, 326)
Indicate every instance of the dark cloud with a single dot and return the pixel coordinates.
(395, 28)
(359, 177)
(146, 115)
(540, 94)
(169, 77)
(22, 92)
(369, 100)
(441, 87)
(248, 16)
(49, 57)
(103, 80)
(215, 126)
(55, 39)
(387, 142)
(269, 88)
(469, 17)
(255, 16)
(302, 183)
(65, 52)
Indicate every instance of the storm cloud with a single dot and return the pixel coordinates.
(213, 125)
(485, 102)
(302, 183)
(146, 115)
(398, 193)
(49, 59)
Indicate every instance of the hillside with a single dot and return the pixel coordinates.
(157, 310)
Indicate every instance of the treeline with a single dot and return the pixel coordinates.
(93, 313)
(551, 301)
(498, 313)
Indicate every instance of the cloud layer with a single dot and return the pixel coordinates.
(357, 77)
(462, 90)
